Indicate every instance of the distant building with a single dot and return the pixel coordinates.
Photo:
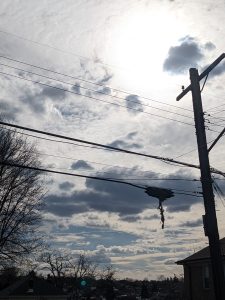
(32, 288)
(198, 284)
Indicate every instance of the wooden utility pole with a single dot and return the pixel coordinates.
(209, 220)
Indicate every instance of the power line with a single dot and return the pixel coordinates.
(96, 91)
(91, 97)
(121, 167)
(163, 159)
(215, 113)
(93, 162)
(220, 121)
(59, 141)
(164, 179)
(186, 153)
(70, 158)
(195, 149)
(210, 129)
(112, 177)
(212, 108)
(219, 192)
(82, 57)
(67, 173)
(214, 124)
(219, 178)
(100, 145)
(217, 118)
(90, 82)
(63, 51)
(88, 177)
(57, 49)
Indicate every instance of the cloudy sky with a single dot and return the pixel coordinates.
(122, 64)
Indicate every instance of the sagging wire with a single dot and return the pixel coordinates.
(219, 192)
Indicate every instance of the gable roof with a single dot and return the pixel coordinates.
(203, 254)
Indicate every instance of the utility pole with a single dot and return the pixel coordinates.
(209, 220)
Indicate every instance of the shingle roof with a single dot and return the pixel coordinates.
(202, 254)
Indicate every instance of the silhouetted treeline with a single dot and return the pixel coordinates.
(93, 287)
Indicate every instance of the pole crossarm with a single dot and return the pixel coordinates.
(201, 76)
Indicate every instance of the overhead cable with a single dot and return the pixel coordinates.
(93, 83)
(91, 97)
(163, 159)
(94, 162)
(6, 163)
(96, 91)
(100, 145)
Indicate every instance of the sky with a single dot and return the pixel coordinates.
(122, 64)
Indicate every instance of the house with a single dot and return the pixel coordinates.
(198, 284)
(32, 288)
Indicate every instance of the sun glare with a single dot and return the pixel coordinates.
(141, 44)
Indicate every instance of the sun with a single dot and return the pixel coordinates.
(141, 45)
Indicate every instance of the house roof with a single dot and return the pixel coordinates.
(40, 286)
(203, 254)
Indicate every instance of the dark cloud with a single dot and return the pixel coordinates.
(186, 55)
(100, 257)
(210, 46)
(130, 218)
(106, 78)
(81, 164)
(94, 223)
(36, 101)
(195, 223)
(132, 134)
(123, 144)
(133, 101)
(76, 88)
(177, 233)
(78, 114)
(177, 208)
(120, 198)
(54, 94)
(105, 90)
(60, 206)
(152, 217)
(66, 185)
(8, 112)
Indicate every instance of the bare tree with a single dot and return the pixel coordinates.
(108, 273)
(20, 197)
(82, 267)
(56, 263)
